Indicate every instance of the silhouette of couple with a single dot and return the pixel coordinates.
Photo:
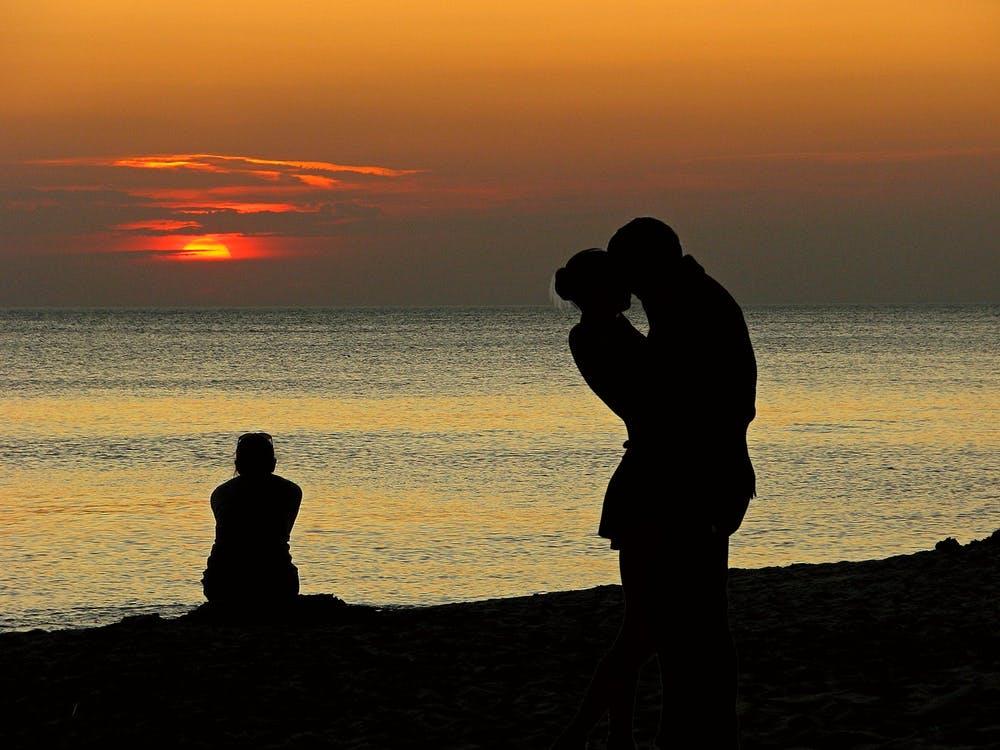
(686, 394)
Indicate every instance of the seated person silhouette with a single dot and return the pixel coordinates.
(250, 566)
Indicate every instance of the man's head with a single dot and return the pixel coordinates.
(647, 251)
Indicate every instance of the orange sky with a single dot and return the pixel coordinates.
(806, 151)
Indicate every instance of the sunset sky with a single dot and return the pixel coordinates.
(335, 153)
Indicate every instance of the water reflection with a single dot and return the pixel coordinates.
(873, 437)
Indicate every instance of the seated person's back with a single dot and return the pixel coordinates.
(254, 512)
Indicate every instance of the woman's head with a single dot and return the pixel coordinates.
(592, 281)
(255, 454)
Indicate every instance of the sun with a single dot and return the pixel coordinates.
(204, 248)
(227, 247)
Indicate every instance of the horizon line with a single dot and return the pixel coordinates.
(462, 306)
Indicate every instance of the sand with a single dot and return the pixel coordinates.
(895, 653)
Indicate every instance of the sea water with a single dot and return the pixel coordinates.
(453, 454)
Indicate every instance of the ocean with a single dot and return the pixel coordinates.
(453, 454)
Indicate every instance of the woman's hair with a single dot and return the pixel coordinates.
(591, 276)
(255, 454)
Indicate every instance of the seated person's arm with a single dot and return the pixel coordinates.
(294, 503)
(217, 500)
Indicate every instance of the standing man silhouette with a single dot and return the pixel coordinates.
(702, 398)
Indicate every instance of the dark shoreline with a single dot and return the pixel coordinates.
(896, 653)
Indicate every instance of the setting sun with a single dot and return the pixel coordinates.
(204, 248)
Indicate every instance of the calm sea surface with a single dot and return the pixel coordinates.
(453, 454)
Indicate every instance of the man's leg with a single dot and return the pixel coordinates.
(696, 653)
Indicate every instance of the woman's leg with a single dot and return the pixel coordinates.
(621, 712)
(637, 584)
(613, 684)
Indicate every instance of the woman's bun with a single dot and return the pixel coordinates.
(583, 274)
(565, 284)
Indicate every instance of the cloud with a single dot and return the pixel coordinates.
(112, 203)
(853, 157)
(194, 250)
(41, 212)
(225, 164)
(321, 220)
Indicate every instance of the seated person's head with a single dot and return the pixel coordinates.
(591, 281)
(255, 454)
(647, 250)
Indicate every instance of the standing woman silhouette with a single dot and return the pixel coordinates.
(612, 357)
(250, 565)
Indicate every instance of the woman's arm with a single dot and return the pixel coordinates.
(614, 366)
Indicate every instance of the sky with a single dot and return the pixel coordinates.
(425, 153)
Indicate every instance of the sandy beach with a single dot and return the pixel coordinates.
(895, 653)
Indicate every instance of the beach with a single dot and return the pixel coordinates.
(896, 653)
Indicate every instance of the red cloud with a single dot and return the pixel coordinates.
(174, 197)
(228, 164)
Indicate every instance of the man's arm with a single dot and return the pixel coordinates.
(731, 367)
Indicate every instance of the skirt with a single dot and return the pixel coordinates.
(655, 495)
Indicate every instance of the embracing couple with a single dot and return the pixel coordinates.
(686, 394)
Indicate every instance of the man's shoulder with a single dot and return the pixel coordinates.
(719, 301)
(713, 288)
